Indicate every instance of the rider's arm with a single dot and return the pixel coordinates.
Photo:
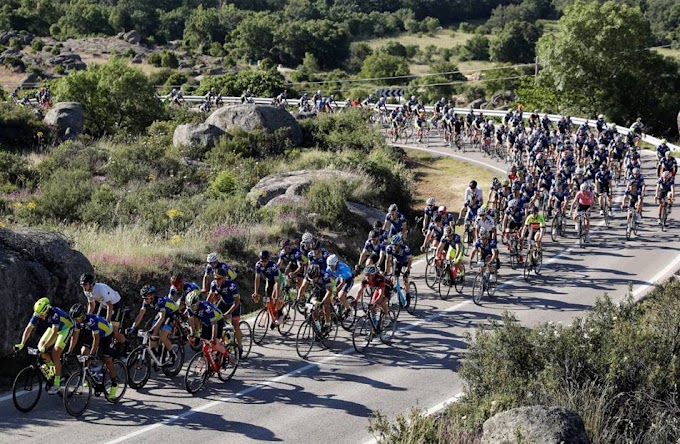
(95, 343)
(139, 317)
(90, 305)
(161, 319)
(109, 310)
(74, 341)
(27, 333)
(302, 288)
(256, 284)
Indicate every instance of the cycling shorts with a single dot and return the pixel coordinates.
(224, 307)
(59, 341)
(116, 316)
(512, 225)
(106, 346)
(583, 208)
(451, 253)
(604, 188)
(347, 286)
(374, 257)
(398, 270)
(269, 287)
(206, 330)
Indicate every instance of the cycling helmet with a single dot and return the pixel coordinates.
(41, 306)
(307, 237)
(284, 243)
(430, 201)
(149, 290)
(663, 141)
(370, 270)
(313, 271)
(212, 257)
(393, 207)
(534, 209)
(377, 225)
(373, 235)
(483, 232)
(636, 171)
(516, 186)
(600, 116)
(264, 255)
(473, 184)
(506, 183)
(193, 298)
(437, 218)
(482, 211)
(484, 235)
(442, 210)
(86, 278)
(668, 154)
(397, 239)
(496, 182)
(513, 203)
(77, 311)
(583, 187)
(332, 260)
(666, 174)
(579, 170)
(448, 231)
(316, 244)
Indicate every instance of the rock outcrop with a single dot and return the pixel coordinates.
(201, 134)
(251, 117)
(537, 425)
(69, 60)
(134, 37)
(68, 118)
(35, 263)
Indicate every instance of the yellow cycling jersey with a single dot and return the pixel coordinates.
(535, 222)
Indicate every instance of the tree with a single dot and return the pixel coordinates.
(254, 36)
(607, 69)
(114, 96)
(380, 65)
(446, 81)
(516, 43)
(261, 83)
(477, 48)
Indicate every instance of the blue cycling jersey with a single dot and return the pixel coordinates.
(665, 185)
(187, 287)
(402, 257)
(269, 270)
(396, 223)
(485, 249)
(231, 274)
(342, 271)
(160, 303)
(372, 248)
(96, 324)
(55, 317)
(227, 290)
(207, 313)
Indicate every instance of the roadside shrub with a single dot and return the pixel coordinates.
(222, 185)
(101, 209)
(63, 195)
(21, 128)
(327, 199)
(81, 154)
(15, 173)
(338, 132)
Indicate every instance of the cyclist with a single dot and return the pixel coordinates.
(102, 336)
(344, 280)
(204, 315)
(373, 252)
(323, 281)
(179, 289)
(421, 125)
(213, 263)
(306, 245)
(664, 190)
(558, 196)
(536, 223)
(670, 164)
(585, 199)
(399, 257)
(60, 325)
(267, 269)
(484, 221)
(167, 311)
(290, 261)
(637, 127)
(224, 294)
(428, 213)
(434, 233)
(474, 198)
(603, 187)
(487, 250)
(633, 196)
(642, 188)
(106, 297)
(453, 245)
(661, 151)
(396, 221)
(376, 281)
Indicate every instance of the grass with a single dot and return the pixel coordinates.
(441, 39)
(445, 178)
(668, 52)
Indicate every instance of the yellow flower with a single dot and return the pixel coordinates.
(176, 239)
(173, 213)
(31, 205)
(151, 177)
(18, 205)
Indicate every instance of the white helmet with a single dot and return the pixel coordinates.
(307, 237)
(430, 201)
(332, 260)
(584, 186)
(212, 257)
(600, 116)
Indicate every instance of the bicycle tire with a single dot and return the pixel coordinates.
(198, 372)
(305, 338)
(393, 303)
(246, 338)
(431, 273)
(138, 368)
(288, 316)
(328, 335)
(492, 285)
(388, 327)
(539, 263)
(605, 213)
(664, 216)
(27, 387)
(580, 232)
(229, 362)
(76, 395)
(347, 322)
(261, 326)
(526, 271)
(413, 291)
(121, 381)
(477, 289)
(636, 226)
(362, 334)
(459, 283)
(554, 228)
(445, 283)
(176, 367)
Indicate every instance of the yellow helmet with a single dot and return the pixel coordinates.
(41, 306)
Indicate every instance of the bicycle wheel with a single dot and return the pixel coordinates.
(539, 262)
(580, 232)
(288, 315)
(431, 273)
(77, 394)
(246, 338)
(27, 389)
(328, 335)
(527, 266)
(138, 368)
(362, 334)
(605, 213)
(305, 339)
(229, 362)
(477, 289)
(554, 229)
(628, 230)
(459, 283)
(413, 291)
(121, 381)
(348, 320)
(636, 226)
(394, 303)
(445, 283)
(261, 326)
(176, 366)
(664, 216)
(365, 300)
(492, 285)
(388, 327)
(198, 371)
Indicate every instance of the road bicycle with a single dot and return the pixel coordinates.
(558, 226)
(382, 325)
(284, 310)
(514, 245)
(665, 209)
(632, 222)
(450, 278)
(28, 384)
(214, 357)
(433, 269)
(486, 281)
(312, 331)
(580, 227)
(605, 210)
(534, 260)
(401, 297)
(93, 377)
(143, 358)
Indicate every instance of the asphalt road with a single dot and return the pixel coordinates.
(276, 396)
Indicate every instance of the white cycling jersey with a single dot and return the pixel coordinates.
(474, 195)
(103, 294)
(485, 222)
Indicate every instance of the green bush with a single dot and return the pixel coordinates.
(222, 185)
(141, 161)
(169, 60)
(15, 173)
(155, 59)
(37, 45)
(327, 199)
(101, 209)
(63, 195)
(20, 128)
(79, 154)
(343, 131)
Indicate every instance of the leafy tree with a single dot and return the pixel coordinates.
(135, 14)
(516, 43)
(445, 83)
(379, 65)
(392, 47)
(254, 36)
(358, 51)
(104, 91)
(477, 48)
(323, 38)
(84, 17)
(262, 83)
(606, 69)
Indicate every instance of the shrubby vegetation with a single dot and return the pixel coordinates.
(617, 368)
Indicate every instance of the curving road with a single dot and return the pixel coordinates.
(278, 397)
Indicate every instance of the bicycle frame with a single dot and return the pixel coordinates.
(146, 337)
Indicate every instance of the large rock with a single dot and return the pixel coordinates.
(69, 60)
(68, 118)
(134, 37)
(201, 134)
(31, 80)
(537, 425)
(251, 117)
(290, 185)
(35, 263)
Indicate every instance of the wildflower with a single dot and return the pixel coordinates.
(176, 239)
(31, 205)
(173, 213)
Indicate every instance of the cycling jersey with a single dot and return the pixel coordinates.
(669, 164)
(269, 270)
(665, 186)
(56, 317)
(293, 256)
(159, 303)
(559, 195)
(474, 197)
(103, 294)
(207, 313)
(177, 294)
(400, 257)
(228, 290)
(231, 274)
(396, 222)
(372, 248)
(585, 198)
(515, 215)
(96, 324)
(377, 280)
(546, 180)
(436, 230)
(528, 191)
(486, 222)
(320, 258)
(603, 178)
(429, 210)
(535, 222)
(661, 151)
(485, 249)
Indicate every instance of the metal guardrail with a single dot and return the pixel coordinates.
(488, 112)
